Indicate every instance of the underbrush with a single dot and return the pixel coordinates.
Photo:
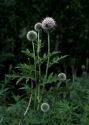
(68, 105)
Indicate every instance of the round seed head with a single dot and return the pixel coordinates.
(38, 27)
(62, 76)
(32, 35)
(83, 67)
(45, 107)
(48, 24)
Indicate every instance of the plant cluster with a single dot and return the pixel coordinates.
(31, 73)
(49, 98)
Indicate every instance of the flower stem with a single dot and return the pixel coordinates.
(48, 55)
(38, 55)
(35, 73)
(28, 105)
(43, 119)
(47, 66)
(34, 59)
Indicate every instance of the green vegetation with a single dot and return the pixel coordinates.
(44, 78)
(69, 104)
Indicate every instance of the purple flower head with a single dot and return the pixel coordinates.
(48, 24)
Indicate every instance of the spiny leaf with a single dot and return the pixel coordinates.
(20, 77)
(62, 57)
(19, 80)
(3, 91)
(56, 60)
(55, 53)
(51, 78)
(28, 53)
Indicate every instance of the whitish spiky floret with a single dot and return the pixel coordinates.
(45, 107)
(48, 24)
(32, 35)
(83, 67)
(62, 76)
(38, 27)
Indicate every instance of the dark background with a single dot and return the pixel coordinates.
(17, 17)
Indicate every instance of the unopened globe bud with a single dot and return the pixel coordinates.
(62, 76)
(38, 27)
(45, 107)
(32, 35)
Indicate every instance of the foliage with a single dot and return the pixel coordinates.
(69, 104)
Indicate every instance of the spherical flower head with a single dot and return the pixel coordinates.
(45, 107)
(62, 76)
(38, 27)
(32, 35)
(83, 67)
(48, 24)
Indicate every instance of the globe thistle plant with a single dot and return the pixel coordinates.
(48, 24)
(32, 35)
(45, 107)
(38, 27)
(62, 76)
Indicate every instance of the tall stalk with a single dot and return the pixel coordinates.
(35, 73)
(47, 66)
(28, 105)
(30, 99)
(48, 55)
(38, 55)
(34, 59)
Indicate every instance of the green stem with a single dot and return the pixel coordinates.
(47, 66)
(38, 97)
(34, 59)
(28, 105)
(48, 55)
(38, 55)
(43, 119)
(19, 122)
(35, 73)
